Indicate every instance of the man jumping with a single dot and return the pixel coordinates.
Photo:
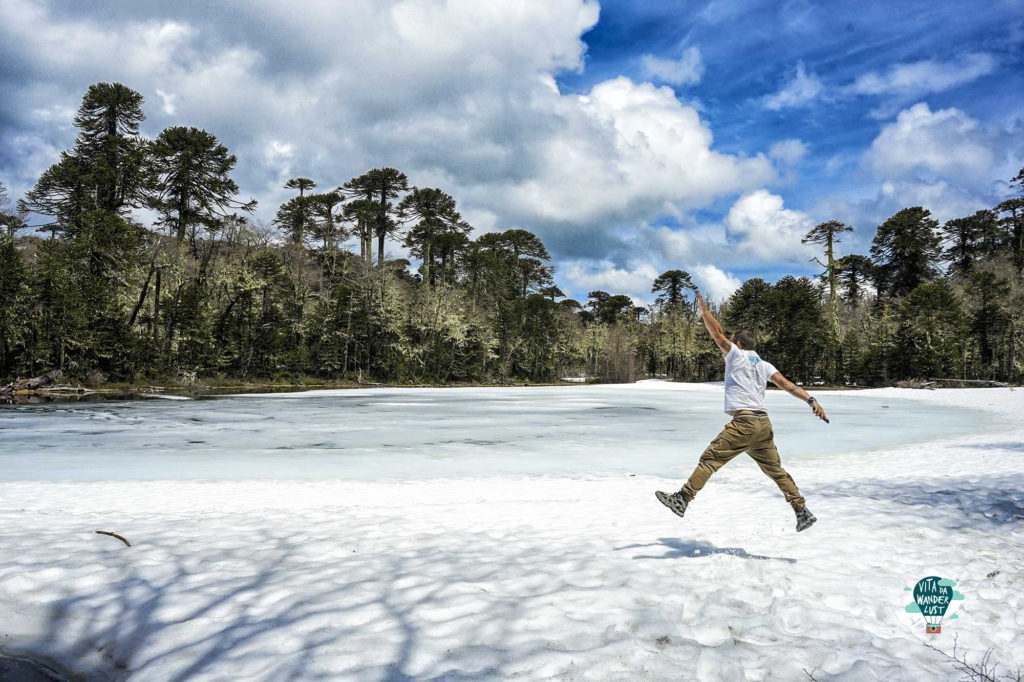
(750, 430)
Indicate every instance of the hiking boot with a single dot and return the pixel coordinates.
(804, 519)
(675, 501)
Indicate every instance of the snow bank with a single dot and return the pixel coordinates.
(580, 577)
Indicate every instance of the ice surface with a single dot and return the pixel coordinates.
(650, 428)
(532, 577)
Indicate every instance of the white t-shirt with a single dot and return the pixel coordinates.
(746, 376)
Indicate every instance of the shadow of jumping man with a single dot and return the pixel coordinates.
(695, 549)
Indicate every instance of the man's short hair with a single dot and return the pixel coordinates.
(745, 339)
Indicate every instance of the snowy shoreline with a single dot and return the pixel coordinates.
(540, 577)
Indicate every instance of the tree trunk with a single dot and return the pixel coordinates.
(169, 331)
(156, 310)
(142, 297)
(426, 264)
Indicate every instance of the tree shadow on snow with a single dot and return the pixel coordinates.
(982, 500)
(287, 612)
(679, 549)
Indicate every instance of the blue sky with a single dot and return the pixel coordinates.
(634, 137)
(752, 50)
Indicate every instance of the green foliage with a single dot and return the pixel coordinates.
(930, 330)
(970, 240)
(438, 230)
(204, 292)
(193, 189)
(671, 287)
(14, 307)
(787, 320)
(109, 144)
(853, 272)
(990, 317)
(906, 250)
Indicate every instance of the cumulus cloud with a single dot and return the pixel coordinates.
(460, 95)
(764, 229)
(687, 70)
(944, 142)
(411, 83)
(715, 282)
(635, 281)
(944, 160)
(925, 76)
(943, 199)
(800, 90)
(626, 151)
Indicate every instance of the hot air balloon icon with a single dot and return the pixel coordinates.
(932, 596)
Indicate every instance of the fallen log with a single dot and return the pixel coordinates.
(32, 384)
(64, 388)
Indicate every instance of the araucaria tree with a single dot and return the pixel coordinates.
(193, 189)
(671, 287)
(906, 251)
(827, 235)
(435, 219)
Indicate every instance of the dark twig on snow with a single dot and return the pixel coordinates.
(114, 535)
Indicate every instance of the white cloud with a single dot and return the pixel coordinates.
(625, 151)
(481, 219)
(944, 200)
(801, 89)
(687, 70)
(766, 230)
(944, 142)
(717, 283)
(635, 282)
(925, 76)
(459, 94)
(943, 160)
(788, 151)
(167, 99)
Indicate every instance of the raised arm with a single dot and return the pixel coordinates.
(713, 327)
(797, 392)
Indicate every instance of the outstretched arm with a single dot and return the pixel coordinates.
(797, 392)
(713, 327)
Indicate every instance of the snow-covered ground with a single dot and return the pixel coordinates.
(526, 561)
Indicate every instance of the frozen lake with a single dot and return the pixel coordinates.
(379, 434)
(538, 558)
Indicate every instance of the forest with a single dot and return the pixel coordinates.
(136, 261)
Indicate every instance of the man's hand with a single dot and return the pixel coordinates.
(819, 411)
(700, 301)
(713, 327)
(789, 387)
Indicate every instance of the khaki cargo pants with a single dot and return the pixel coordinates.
(753, 435)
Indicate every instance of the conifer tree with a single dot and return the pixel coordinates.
(194, 188)
(905, 250)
